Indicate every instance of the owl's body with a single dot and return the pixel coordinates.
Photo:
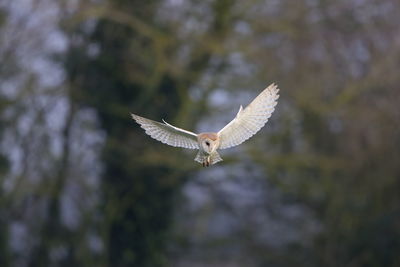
(247, 122)
(208, 145)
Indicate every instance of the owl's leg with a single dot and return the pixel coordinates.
(201, 158)
(206, 161)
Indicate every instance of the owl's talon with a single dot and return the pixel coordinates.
(208, 161)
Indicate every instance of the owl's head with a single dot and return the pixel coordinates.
(209, 145)
(209, 142)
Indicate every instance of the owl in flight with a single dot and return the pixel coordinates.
(247, 122)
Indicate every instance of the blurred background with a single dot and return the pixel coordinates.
(82, 185)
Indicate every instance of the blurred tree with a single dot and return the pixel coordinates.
(338, 139)
(127, 63)
(38, 124)
(4, 164)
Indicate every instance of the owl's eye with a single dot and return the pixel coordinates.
(207, 143)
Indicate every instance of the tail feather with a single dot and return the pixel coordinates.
(215, 157)
(200, 157)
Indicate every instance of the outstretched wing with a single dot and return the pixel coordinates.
(168, 134)
(250, 120)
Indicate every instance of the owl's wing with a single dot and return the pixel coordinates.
(168, 134)
(250, 120)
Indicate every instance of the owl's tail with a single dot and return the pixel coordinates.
(208, 160)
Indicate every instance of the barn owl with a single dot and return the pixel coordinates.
(247, 122)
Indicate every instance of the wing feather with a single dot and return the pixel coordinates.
(250, 120)
(168, 134)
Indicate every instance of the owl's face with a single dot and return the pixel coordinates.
(208, 142)
(209, 145)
